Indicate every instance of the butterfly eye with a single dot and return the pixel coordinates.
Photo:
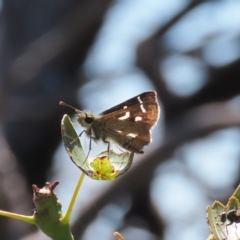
(88, 120)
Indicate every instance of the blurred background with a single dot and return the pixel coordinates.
(94, 54)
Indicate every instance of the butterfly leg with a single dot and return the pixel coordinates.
(81, 133)
(90, 144)
(77, 137)
(108, 143)
(89, 149)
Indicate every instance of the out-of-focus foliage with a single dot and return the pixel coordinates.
(109, 51)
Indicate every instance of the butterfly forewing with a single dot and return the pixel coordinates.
(150, 96)
(133, 116)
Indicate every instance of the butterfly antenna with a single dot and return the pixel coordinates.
(61, 103)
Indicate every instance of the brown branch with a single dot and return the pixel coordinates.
(149, 54)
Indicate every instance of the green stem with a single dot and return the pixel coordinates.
(66, 217)
(28, 219)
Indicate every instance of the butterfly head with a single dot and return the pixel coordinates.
(85, 118)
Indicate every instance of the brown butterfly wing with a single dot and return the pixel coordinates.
(150, 96)
(130, 123)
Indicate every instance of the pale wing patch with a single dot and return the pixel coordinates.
(132, 135)
(138, 118)
(139, 99)
(142, 108)
(141, 104)
(126, 116)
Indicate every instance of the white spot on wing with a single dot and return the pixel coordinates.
(138, 118)
(126, 116)
(132, 135)
(119, 131)
(142, 108)
(139, 99)
(124, 107)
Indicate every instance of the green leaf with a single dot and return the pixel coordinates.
(211, 237)
(214, 221)
(236, 194)
(106, 166)
(73, 145)
(233, 203)
(219, 229)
